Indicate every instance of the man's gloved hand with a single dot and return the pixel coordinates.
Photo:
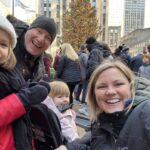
(45, 84)
(34, 94)
(40, 83)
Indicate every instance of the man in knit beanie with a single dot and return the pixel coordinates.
(32, 42)
(45, 23)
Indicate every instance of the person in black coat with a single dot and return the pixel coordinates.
(119, 110)
(32, 42)
(136, 62)
(68, 68)
(95, 55)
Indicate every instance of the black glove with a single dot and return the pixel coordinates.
(40, 83)
(45, 84)
(33, 95)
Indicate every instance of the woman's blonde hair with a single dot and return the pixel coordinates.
(94, 108)
(67, 50)
(10, 62)
(58, 88)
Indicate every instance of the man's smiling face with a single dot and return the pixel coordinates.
(37, 41)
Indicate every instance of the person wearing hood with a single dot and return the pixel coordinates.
(144, 70)
(136, 62)
(122, 53)
(32, 42)
(95, 55)
(119, 109)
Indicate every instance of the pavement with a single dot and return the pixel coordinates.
(82, 121)
(76, 106)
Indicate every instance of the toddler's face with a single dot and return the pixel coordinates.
(60, 100)
(4, 45)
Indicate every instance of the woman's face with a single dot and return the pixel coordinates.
(112, 89)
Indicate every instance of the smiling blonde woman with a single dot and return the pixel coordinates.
(120, 108)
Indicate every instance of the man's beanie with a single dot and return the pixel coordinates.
(45, 23)
(8, 27)
(90, 40)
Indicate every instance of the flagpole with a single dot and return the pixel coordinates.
(12, 7)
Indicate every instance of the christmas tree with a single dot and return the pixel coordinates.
(79, 23)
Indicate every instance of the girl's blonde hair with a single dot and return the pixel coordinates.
(107, 64)
(67, 50)
(10, 61)
(58, 88)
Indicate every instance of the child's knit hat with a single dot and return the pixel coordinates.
(8, 27)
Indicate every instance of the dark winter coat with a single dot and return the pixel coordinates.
(31, 67)
(68, 70)
(144, 70)
(136, 62)
(95, 58)
(83, 63)
(11, 108)
(119, 131)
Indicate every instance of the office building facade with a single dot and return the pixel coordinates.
(133, 15)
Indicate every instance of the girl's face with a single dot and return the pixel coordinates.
(60, 100)
(112, 89)
(4, 45)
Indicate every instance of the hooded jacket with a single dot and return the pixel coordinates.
(118, 131)
(95, 58)
(13, 116)
(144, 70)
(31, 67)
(67, 120)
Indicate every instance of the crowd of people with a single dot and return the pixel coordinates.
(114, 86)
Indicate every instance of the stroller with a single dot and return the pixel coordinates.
(46, 128)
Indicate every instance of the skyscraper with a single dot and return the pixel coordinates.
(133, 15)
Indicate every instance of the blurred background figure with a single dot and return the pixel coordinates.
(136, 62)
(122, 53)
(148, 49)
(68, 68)
(144, 50)
(57, 58)
(47, 59)
(81, 87)
(95, 55)
(144, 70)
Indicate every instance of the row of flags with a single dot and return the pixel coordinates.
(19, 3)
